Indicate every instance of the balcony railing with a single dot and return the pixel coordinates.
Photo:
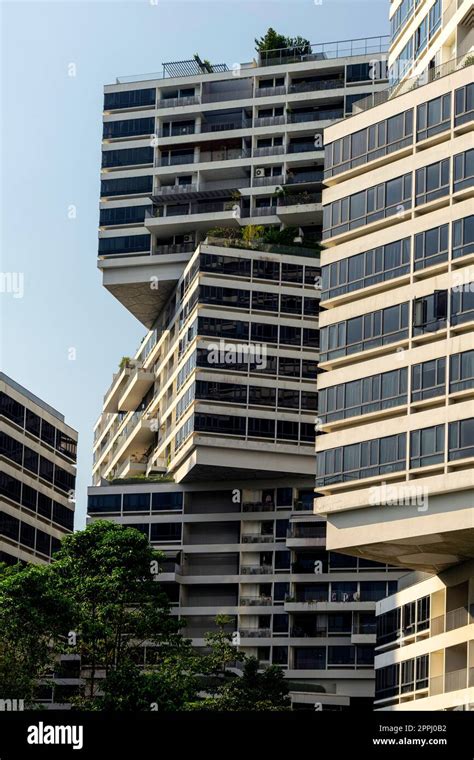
(188, 158)
(326, 84)
(258, 538)
(452, 681)
(325, 51)
(272, 150)
(296, 179)
(216, 97)
(298, 118)
(255, 633)
(268, 181)
(302, 147)
(305, 531)
(256, 569)
(189, 208)
(190, 100)
(257, 506)
(225, 126)
(268, 121)
(175, 189)
(265, 92)
(256, 601)
(299, 199)
(412, 83)
(164, 250)
(225, 154)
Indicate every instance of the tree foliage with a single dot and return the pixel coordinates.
(100, 599)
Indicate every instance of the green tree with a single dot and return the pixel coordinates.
(255, 690)
(107, 570)
(271, 41)
(32, 615)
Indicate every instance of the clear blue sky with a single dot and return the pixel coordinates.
(50, 158)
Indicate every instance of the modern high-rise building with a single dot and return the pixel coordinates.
(210, 235)
(395, 460)
(37, 476)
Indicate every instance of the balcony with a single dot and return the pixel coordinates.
(256, 570)
(271, 150)
(257, 538)
(168, 191)
(211, 128)
(266, 92)
(268, 181)
(453, 680)
(132, 466)
(193, 215)
(115, 390)
(306, 147)
(190, 100)
(224, 154)
(326, 84)
(139, 382)
(256, 601)
(300, 118)
(296, 208)
(255, 633)
(269, 121)
(305, 535)
(325, 51)
(299, 178)
(258, 506)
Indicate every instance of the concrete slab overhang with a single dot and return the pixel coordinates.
(143, 284)
(429, 536)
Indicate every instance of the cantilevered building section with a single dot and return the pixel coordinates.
(37, 476)
(210, 235)
(395, 463)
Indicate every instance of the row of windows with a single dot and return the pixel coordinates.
(122, 215)
(321, 658)
(416, 44)
(258, 332)
(385, 326)
(37, 426)
(396, 132)
(265, 364)
(35, 464)
(258, 269)
(128, 128)
(126, 186)
(388, 454)
(127, 157)
(413, 617)
(367, 206)
(258, 300)
(129, 99)
(393, 259)
(136, 502)
(362, 333)
(256, 395)
(402, 678)
(124, 244)
(389, 389)
(388, 198)
(173, 501)
(27, 535)
(243, 427)
(368, 144)
(36, 501)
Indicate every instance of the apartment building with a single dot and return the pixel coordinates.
(395, 477)
(210, 236)
(37, 476)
